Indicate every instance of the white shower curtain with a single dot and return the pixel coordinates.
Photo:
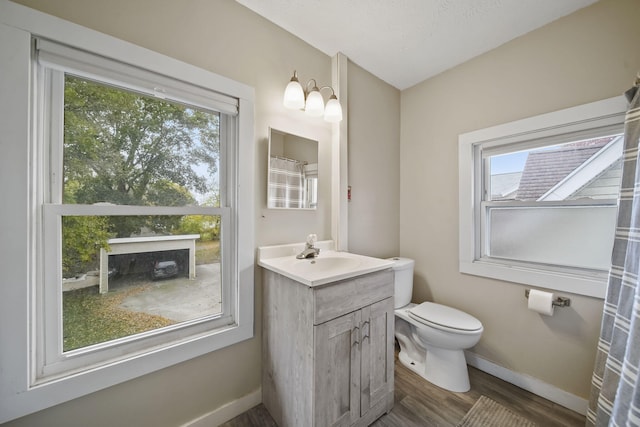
(286, 183)
(615, 393)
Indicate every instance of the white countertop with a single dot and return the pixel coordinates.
(329, 266)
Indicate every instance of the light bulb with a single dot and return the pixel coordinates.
(293, 94)
(333, 110)
(315, 103)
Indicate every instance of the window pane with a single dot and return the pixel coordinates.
(589, 169)
(566, 236)
(119, 282)
(126, 148)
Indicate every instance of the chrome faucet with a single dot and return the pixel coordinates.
(310, 251)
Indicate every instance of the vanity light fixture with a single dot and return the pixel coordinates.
(295, 97)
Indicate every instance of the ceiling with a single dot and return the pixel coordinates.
(404, 42)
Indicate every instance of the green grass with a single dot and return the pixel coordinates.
(207, 252)
(92, 318)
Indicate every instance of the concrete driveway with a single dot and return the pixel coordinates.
(180, 299)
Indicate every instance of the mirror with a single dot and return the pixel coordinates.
(293, 171)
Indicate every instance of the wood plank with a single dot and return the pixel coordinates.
(337, 370)
(349, 295)
(287, 367)
(419, 403)
(377, 353)
(312, 370)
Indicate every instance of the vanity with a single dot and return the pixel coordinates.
(328, 331)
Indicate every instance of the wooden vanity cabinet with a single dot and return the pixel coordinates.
(328, 350)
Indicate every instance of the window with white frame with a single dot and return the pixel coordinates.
(138, 250)
(133, 159)
(538, 198)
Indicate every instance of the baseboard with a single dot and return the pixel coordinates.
(526, 382)
(228, 411)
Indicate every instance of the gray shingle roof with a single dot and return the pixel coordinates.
(545, 168)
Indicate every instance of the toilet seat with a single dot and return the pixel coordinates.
(445, 318)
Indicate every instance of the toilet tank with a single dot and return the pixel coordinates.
(403, 280)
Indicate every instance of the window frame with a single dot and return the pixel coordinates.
(527, 133)
(22, 164)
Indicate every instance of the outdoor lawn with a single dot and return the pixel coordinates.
(91, 318)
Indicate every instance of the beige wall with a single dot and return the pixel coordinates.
(374, 164)
(585, 57)
(226, 38)
(590, 55)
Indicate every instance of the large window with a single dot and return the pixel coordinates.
(137, 171)
(133, 244)
(144, 164)
(539, 198)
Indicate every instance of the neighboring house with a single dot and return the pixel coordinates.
(597, 177)
(505, 185)
(584, 169)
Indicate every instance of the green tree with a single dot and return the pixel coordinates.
(82, 238)
(207, 226)
(125, 148)
(120, 144)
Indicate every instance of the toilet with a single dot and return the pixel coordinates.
(432, 337)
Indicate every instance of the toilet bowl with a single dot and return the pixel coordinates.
(432, 337)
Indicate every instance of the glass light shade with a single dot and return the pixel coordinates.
(333, 110)
(293, 95)
(315, 104)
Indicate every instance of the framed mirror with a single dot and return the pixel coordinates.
(293, 171)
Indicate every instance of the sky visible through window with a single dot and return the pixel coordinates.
(508, 163)
(515, 162)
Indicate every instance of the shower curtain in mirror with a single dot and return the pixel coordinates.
(615, 392)
(286, 183)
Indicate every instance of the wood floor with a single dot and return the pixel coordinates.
(419, 403)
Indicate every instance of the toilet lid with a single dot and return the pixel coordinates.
(443, 316)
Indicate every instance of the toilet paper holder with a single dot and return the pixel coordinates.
(558, 302)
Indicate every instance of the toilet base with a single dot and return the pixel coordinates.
(445, 368)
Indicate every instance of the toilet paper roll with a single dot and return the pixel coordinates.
(541, 302)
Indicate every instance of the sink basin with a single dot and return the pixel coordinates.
(325, 264)
(327, 267)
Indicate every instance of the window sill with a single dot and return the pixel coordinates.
(592, 284)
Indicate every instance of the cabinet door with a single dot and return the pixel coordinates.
(337, 371)
(377, 331)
